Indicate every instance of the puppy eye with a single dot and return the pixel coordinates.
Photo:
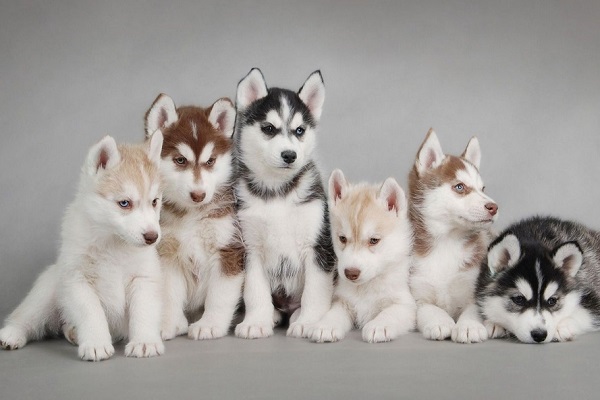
(519, 300)
(552, 301)
(268, 129)
(459, 187)
(343, 239)
(180, 160)
(374, 241)
(155, 202)
(299, 131)
(210, 162)
(124, 204)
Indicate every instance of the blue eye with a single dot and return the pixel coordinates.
(459, 188)
(124, 204)
(299, 131)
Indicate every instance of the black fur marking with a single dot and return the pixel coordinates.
(324, 253)
(255, 187)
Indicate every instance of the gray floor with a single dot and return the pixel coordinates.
(285, 368)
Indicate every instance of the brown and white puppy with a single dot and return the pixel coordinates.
(451, 218)
(201, 251)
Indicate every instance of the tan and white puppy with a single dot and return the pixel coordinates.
(372, 240)
(451, 218)
(201, 251)
(105, 284)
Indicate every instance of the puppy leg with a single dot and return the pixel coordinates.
(174, 322)
(316, 298)
(222, 298)
(258, 321)
(30, 320)
(469, 328)
(334, 325)
(390, 323)
(144, 301)
(433, 322)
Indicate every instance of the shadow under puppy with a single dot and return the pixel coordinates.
(372, 240)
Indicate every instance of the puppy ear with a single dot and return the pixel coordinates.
(430, 154)
(161, 114)
(155, 147)
(503, 253)
(473, 152)
(338, 186)
(102, 156)
(392, 196)
(251, 88)
(222, 116)
(312, 93)
(568, 256)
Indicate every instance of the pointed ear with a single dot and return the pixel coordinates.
(102, 156)
(503, 253)
(161, 114)
(338, 186)
(430, 154)
(222, 116)
(473, 152)
(155, 148)
(569, 257)
(392, 195)
(251, 88)
(312, 93)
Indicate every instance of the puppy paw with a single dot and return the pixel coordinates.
(254, 330)
(277, 317)
(440, 331)
(493, 330)
(171, 330)
(96, 351)
(298, 330)
(12, 338)
(469, 332)
(377, 333)
(70, 333)
(201, 330)
(324, 334)
(144, 349)
(565, 330)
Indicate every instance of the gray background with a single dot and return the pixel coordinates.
(521, 75)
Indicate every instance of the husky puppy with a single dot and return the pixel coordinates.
(201, 251)
(451, 219)
(106, 281)
(541, 281)
(372, 243)
(282, 206)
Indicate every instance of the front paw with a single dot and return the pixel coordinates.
(298, 330)
(70, 333)
(201, 330)
(493, 330)
(376, 333)
(324, 334)
(171, 330)
(254, 329)
(438, 331)
(96, 351)
(12, 338)
(469, 332)
(565, 330)
(144, 349)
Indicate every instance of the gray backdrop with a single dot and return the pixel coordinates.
(521, 75)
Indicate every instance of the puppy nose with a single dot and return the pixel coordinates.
(492, 208)
(352, 273)
(539, 335)
(150, 237)
(197, 197)
(288, 156)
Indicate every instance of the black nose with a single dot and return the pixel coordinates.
(150, 237)
(288, 156)
(539, 335)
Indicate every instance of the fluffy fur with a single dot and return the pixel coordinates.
(282, 206)
(541, 281)
(451, 218)
(372, 242)
(105, 284)
(201, 251)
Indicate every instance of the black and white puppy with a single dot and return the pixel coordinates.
(541, 281)
(282, 206)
